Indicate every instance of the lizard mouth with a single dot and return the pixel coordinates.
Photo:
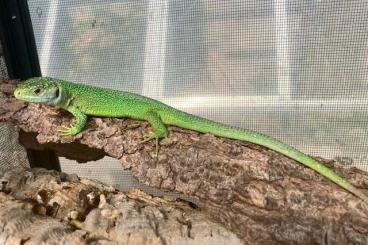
(34, 99)
(37, 95)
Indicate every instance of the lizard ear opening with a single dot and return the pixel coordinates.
(57, 93)
(59, 96)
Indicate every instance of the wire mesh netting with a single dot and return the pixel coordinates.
(11, 153)
(296, 70)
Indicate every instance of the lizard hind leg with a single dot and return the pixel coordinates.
(159, 129)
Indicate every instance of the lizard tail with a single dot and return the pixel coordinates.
(203, 125)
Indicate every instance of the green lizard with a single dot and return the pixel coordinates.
(82, 100)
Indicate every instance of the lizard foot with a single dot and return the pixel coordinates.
(151, 136)
(67, 131)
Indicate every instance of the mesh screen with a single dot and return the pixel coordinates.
(296, 70)
(11, 153)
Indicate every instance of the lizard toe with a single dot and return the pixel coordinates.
(66, 131)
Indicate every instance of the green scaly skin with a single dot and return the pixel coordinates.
(82, 100)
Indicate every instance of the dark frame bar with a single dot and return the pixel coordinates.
(20, 52)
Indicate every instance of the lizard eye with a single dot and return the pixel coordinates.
(37, 91)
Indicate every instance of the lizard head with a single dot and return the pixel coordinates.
(39, 90)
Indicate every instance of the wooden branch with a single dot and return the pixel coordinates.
(47, 207)
(262, 196)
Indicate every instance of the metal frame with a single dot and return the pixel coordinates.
(48, 37)
(155, 49)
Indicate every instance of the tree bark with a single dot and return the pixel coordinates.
(41, 206)
(262, 196)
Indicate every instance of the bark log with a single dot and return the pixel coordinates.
(47, 207)
(262, 196)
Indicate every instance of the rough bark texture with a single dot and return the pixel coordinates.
(47, 207)
(262, 196)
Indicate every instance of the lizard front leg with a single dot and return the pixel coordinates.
(159, 129)
(77, 126)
